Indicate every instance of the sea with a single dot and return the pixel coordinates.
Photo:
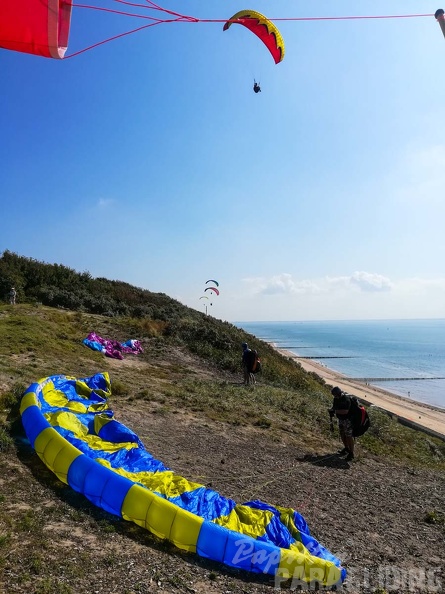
(404, 357)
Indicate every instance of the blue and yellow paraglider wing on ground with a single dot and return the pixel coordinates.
(71, 427)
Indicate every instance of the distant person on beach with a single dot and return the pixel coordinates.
(341, 408)
(12, 296)
(247, 361)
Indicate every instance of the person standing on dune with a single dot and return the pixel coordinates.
(247, 362)
(341, 408)
(12, 296)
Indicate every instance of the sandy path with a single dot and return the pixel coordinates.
(416, 413)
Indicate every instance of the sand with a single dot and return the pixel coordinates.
(417, 414)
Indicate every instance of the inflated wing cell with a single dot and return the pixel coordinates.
(38, 27)
(262, 28)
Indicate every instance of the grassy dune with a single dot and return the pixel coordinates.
(185, 399)
(36, 341)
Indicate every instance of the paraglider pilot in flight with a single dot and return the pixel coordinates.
(256, 86)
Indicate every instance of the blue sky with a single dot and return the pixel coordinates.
(150, 159)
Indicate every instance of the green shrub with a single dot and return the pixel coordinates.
(6, 441)
(12, 398)
(435, 517)
(118, 388)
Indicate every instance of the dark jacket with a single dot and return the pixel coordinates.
(249, 359)
(342, 403)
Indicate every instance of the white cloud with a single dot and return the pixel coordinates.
(358, 296)
(285, 284)
(367, 281)
(105, 202)
(281, 284)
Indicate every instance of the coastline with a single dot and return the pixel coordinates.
(411, 412)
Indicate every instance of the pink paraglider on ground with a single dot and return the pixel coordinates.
(112, 348)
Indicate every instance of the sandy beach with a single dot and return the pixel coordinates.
(417, 414)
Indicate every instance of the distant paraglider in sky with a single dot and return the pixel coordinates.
(214, 289)
(205, 303)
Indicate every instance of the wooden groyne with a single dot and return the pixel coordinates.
(329, 357)
(369, 380)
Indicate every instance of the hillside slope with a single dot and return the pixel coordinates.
(189, 408)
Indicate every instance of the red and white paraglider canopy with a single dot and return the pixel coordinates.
(38, 27)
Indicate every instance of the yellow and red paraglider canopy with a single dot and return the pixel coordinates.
(262, 28)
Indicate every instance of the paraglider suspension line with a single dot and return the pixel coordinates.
(181, 18)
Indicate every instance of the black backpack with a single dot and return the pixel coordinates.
(359, 418)
(256, 364)
(253, 363)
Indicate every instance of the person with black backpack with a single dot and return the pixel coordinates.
(353, 419)
(342, 409)
(248, 362)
